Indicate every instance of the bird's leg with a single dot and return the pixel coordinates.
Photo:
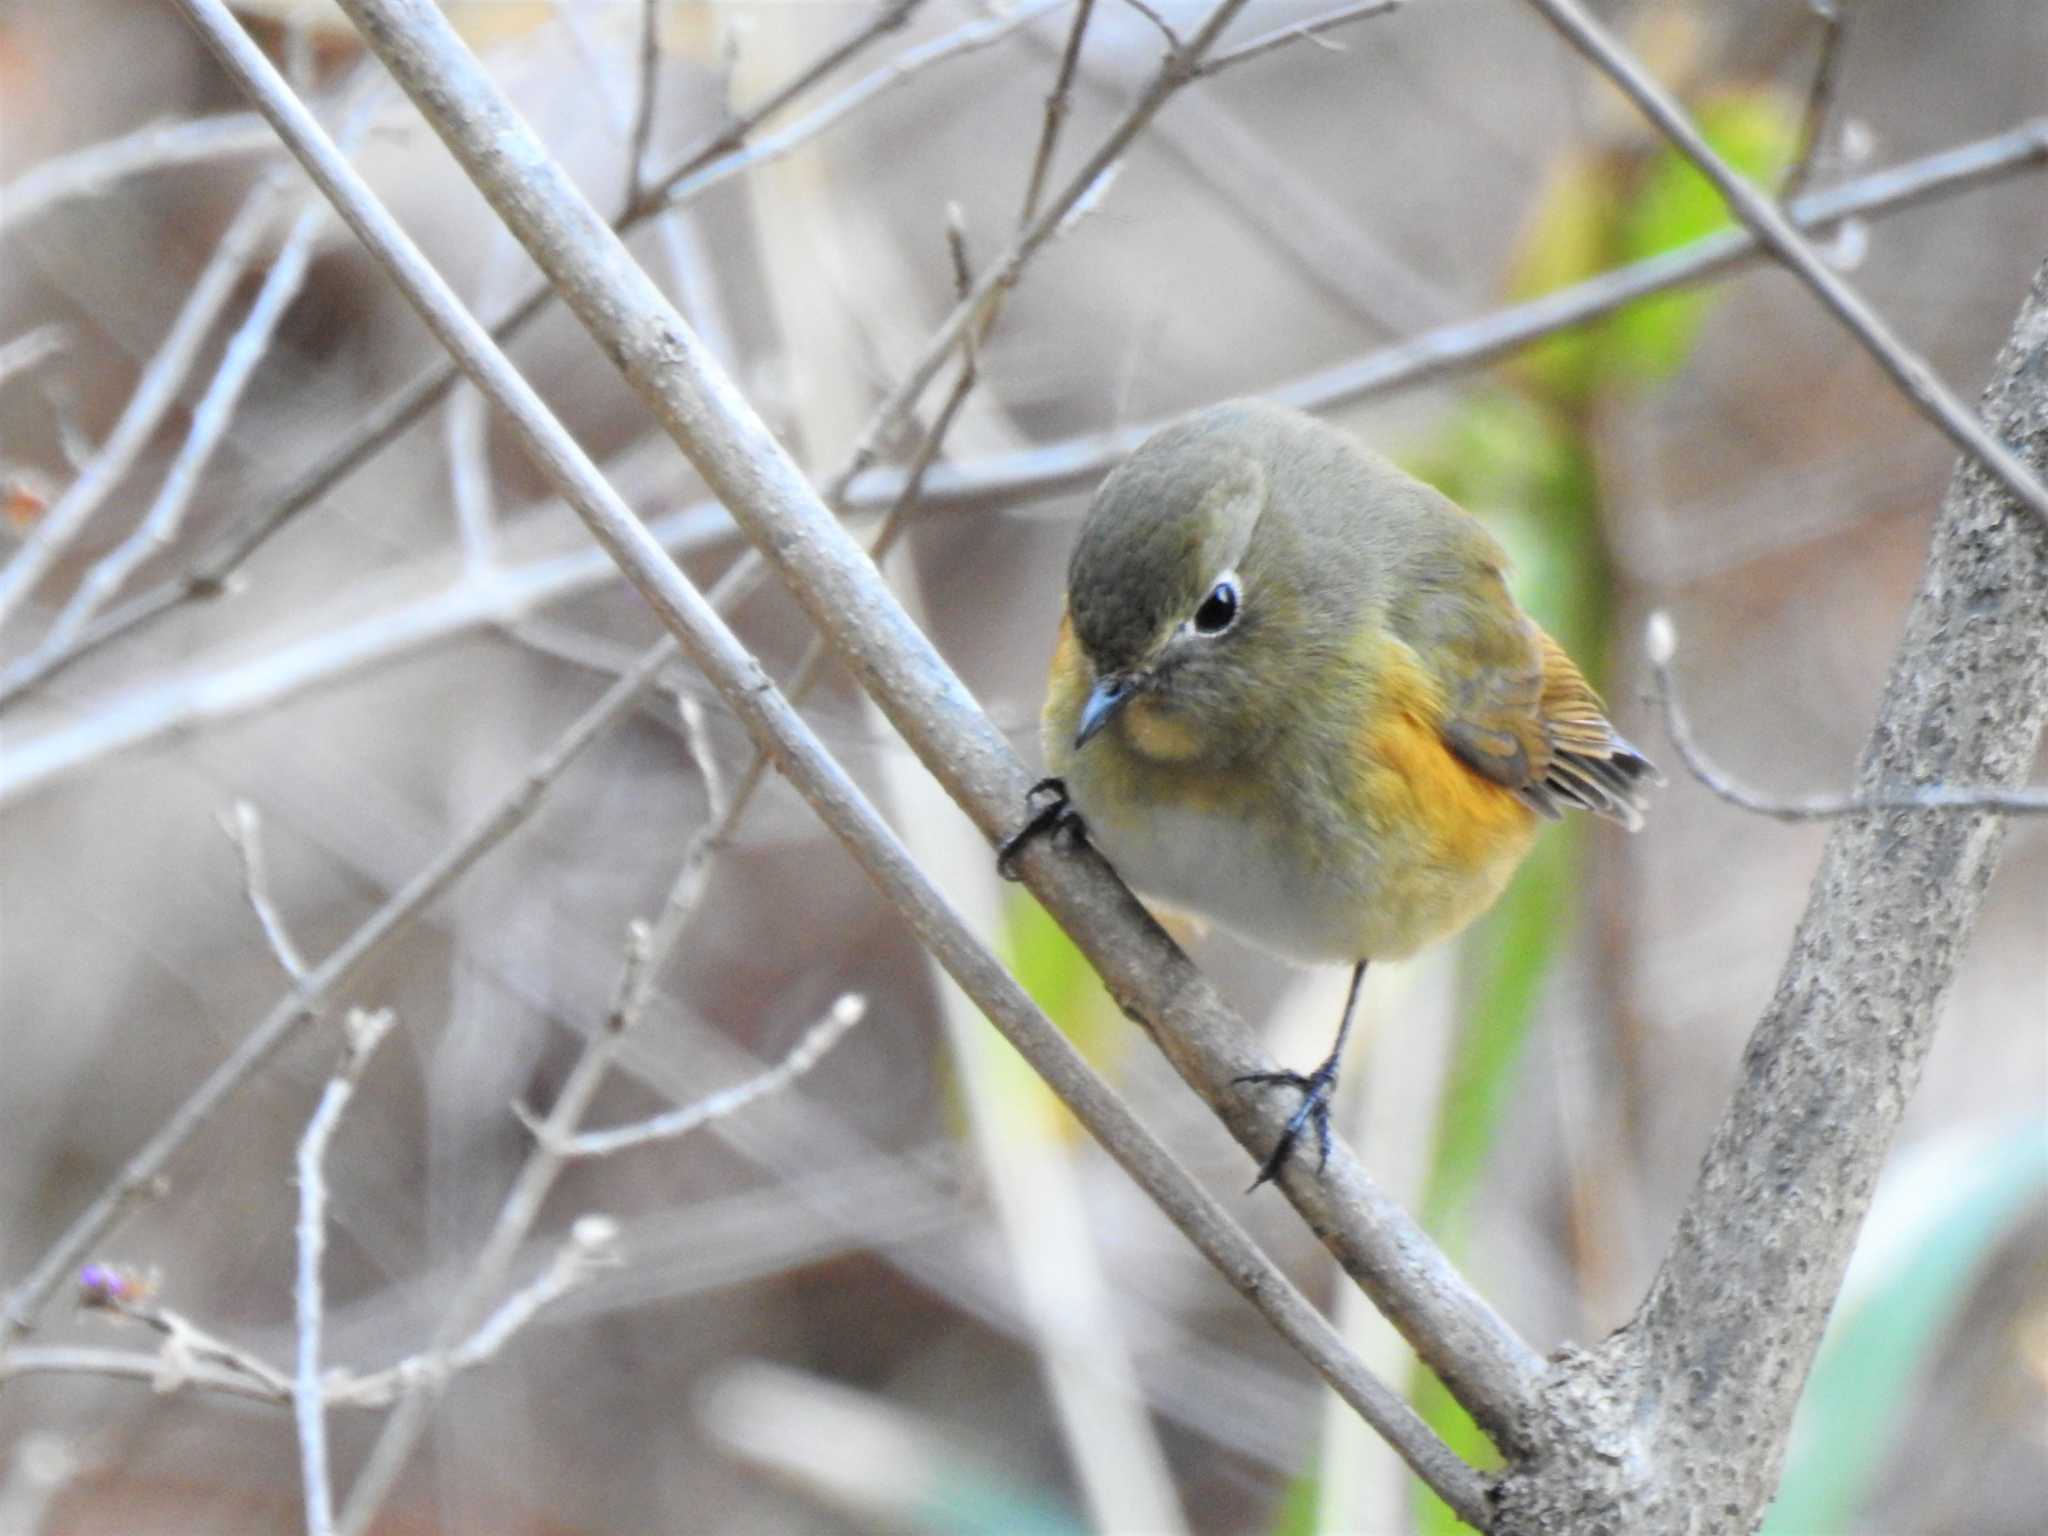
(1057, 814)
(1316, 1088)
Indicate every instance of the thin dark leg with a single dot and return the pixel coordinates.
(1315, 1087)
(1056, 815)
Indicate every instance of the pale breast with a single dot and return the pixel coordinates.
(1250, 877)
(1329, 896)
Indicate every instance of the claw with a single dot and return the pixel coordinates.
(1315, 1089)
(1056, 815)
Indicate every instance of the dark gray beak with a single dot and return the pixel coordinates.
(1109, 696)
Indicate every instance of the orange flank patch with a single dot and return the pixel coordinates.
(1453, 824)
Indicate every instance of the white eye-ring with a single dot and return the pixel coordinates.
(1220, 608)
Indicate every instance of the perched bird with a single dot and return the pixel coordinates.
(1291, 693)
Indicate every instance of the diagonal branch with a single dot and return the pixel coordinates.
(211, 693)
(1697, 1393)
(155, 392)
(1820, 97)
(1463, 1339)
(309, 998)
(719, 157)
(1767, 221)
(746, 464)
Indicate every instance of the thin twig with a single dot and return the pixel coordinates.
(730, 139)
(848, 1011)
(214, 691)
(467, 432)
(309, 1403)
(191, 1357)
(745, 465)
(1906, 368)
(1660, 644)
(1833, 16)
(1055, 114)
(645, 952)
(305, 1003)
(210, 419)
(154, 394)
(133, 1365)
(31, 349)
(1166, 31)
(692, 181)
(644, 100)
(245, 830)
(94, 171)
(1175, 71)
(209, 424)
(522, 1206)
(1311, 30)
(186, 1346)
(592, 1245)
(385, 422)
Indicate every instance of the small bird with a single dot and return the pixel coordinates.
(1291, 693)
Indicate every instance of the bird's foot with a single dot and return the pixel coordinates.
(1056, 814)
(1315, 1089)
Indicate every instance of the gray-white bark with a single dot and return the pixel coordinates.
(1678, 1422)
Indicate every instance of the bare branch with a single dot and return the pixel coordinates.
(646, 951)
(119, 1292)
(1697, 1393)
(31, 349)
(393, 416)
(466, 427)
(309, 1404)
(745, 465)
(94, 171)
(848, 1011)
(1661, 645)
(244, 828)
(1820, 97)
(154, 394)
(592, 1245)
(522, 1206)
(194, 1358)
(210, 419)
(1176, 71)
(1767, 221)
(1166, 31)
(692, 180)
(891, 17)
(133, 1365)
(305, 1003)
(1310, 31)
(645, 89)
(214, 691)
(1055, 115)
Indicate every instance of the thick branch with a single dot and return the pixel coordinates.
(746, 465)
(1454, 1329)
(211, 692)
(1678, 1423)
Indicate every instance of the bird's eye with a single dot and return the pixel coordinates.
(1219, 609)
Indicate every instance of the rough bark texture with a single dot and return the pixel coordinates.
(1678, 1422)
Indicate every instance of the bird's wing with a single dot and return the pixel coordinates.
(1516, 710)
(1537, 727)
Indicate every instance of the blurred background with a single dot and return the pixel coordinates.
(905, 1293)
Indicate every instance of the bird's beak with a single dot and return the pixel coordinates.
(1109, 695)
